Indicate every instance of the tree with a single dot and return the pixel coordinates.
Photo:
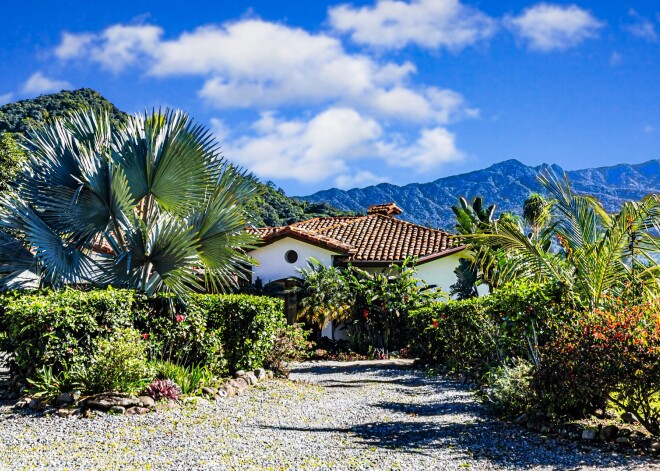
(11, 158)
(600, 254)
(536, 213)
(148, 205)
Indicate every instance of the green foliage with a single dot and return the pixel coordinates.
(478, 334)
(612, 354)
(191, 379)
(118, 363)
(18, 117)
(290, 344)
(46, 385)
(11, 159)
(374, 305)
(248, 325)
(153, 193)
(508, 387)
(61, 329)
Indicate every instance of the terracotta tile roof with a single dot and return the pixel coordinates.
(370, 238)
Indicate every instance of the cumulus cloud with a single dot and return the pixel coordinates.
(547, 27)
(38, 83)
(263, 65)
(433, 148)
(642, 27)
(395, 24)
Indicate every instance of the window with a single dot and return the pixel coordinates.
(291, 256)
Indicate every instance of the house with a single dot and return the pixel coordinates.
(372, 242)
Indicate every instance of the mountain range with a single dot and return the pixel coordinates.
(506, 184)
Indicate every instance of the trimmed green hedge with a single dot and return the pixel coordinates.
(474, 335)
(58, 328)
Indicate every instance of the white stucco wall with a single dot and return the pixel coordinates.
(272, 265)
(439, 272)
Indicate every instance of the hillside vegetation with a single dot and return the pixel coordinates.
(271, 208)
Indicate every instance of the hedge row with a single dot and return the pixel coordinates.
(474, 335)
(58, 328)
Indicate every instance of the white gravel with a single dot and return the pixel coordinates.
(329, 417)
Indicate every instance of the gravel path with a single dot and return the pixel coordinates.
(329, 417)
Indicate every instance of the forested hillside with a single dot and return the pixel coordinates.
(272, 207)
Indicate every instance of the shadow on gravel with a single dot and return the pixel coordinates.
(496, 443)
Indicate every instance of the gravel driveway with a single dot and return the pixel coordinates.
(329, 417)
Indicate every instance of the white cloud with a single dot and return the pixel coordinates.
(642, 28)
(6, 98)
(395, 24)
(263, 65)
(72, 45)
(39, 83)
(360, 178)
(615, 59)
(433, 148)
(308, 151)
(547, 27)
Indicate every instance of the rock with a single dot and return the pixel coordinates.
(270, 374)
(76, 395)
(119, 410)
(609, 433)
(23, 402)
(106, 401)
(66, 413)
(36, 404)
(239, 374)
(147, 401)
(545, 429)
(655, 446)
(87, 413)
(240, 385)
(522, 419)
(65, 398)
(589, 434)
(226, 390)
(137, 411)
(260, 373)
(623, 440)
(209, 391)
(250, 378)
(628, 417)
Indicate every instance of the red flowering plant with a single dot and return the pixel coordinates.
(605, 355)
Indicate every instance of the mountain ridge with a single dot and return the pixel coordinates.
(505, 183)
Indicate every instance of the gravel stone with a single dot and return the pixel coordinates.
(329, 417)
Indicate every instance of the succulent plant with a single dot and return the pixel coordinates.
(163, 389)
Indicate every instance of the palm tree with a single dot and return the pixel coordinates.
(150, 206)
(601, 254)
(536, 213)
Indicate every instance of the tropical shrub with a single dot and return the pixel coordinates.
(190, 379)
(118, 363)
(163, 390)
(605, 355)
(477, 334)
(508, 388)
(290, 344)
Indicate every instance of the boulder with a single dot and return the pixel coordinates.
(147, 401)
(209, 391)
(106, 401)
(628, 418)
(240, 385)
(65, 398)
(239, 374)
(119, 410)
(66, 413)
(655, 446)
(609, 433)
(226, 390)
(137, 410)
(270, 374)
(250, 378)
(260, 373)
(589, 434)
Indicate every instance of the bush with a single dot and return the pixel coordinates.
(118, 364)
(163, 390)
(508, 387)
(191, 379)
(605, 355)
(477, 334)
(291, 344)
(247, 325)
(60, 329)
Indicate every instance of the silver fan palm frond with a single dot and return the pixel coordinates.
(150, 205)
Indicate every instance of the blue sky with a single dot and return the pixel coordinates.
(313, 95)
